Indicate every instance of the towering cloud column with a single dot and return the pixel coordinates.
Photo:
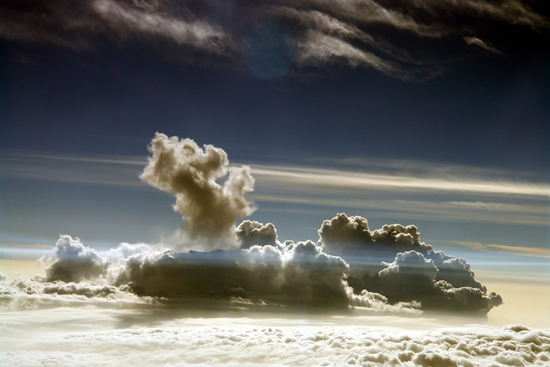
(183, 169)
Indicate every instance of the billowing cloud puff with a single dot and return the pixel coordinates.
(296, 274)
(383, 35)
(394, 262)
(350, 236)
(183, 169)
(413, 277)
(75, 262)
(290, 274)
(252, 233)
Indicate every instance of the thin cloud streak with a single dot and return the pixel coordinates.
(349, 179)
(524, 251)
(464, 180)
(538, 252)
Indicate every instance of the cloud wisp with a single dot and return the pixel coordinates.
(314, 33)
(352, 179)
(477, 42)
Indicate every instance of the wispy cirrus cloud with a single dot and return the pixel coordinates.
(383, 175)
(340, 178)
(477, 42)
(523, 251)
(410, 188)
(360, 33)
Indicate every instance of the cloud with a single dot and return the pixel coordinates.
(476, 41)
(198, 34)
(523, 251)
(268, 345)
(387, 269)
(350, 236)
(75, 262)
(539, 252)
(315, 177)
(385, 36)
(413, 277)
(252, 233)
(210, 210)
(24, 293)
(392, 261)
(291, 275)
(346, 268)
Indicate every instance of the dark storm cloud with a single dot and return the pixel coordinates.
(188, 172)
(382, 34)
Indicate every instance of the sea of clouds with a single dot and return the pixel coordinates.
(257, 345)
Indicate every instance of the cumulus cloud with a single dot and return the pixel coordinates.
(394, 262)
(74, 262)
(290, 274)
(384, 35)
(266, 272)
(351, 237)
(293, 274)
(252, 233)
(388, 269)
(287, 345)
(210, 209)
(413, 277)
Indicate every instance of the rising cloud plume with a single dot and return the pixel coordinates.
(313, 33)
(188, 172)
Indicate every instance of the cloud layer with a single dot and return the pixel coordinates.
(263, 272)
(271, 36)
(264, 345)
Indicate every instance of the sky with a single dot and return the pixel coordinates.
(162, 157)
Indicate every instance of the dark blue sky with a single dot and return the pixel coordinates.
(275, 83)
(486, 110)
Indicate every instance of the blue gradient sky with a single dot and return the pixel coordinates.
(464, 154)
